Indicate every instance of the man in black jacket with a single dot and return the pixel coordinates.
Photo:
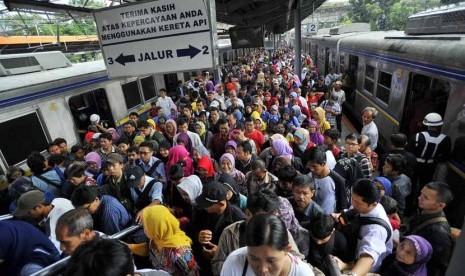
(432, 224)
(213, 213)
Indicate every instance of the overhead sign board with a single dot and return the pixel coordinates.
(155, 37)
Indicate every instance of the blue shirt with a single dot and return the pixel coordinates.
(154, 194)
(22, 244)
(43, 186)
(111, 216)
(159, 173)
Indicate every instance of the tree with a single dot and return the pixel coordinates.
(391, 14)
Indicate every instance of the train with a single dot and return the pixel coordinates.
(404, 75)
(44, 96)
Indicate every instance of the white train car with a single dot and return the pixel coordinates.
(43, 96)
(405, 76)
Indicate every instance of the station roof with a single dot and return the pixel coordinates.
(276, 15)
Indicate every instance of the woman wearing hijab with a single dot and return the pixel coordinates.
(227, 166)
(301, 144)
(233, 194)
(170, 130)
(169, 248)
(94, 164)
(315, 136)
(190, 188)
(205, 135)
(267, 101)
(384, 185)
(205, 170)
(114, 134)
(179, 155)
(320, 118)
(410, 258)
(184, 140)
(281, 147)
(298, 114)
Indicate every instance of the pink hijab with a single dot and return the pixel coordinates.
(179, 153)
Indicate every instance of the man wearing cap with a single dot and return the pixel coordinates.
(145, 190)
(276, 88)
(320, 86)
(116, 185)
(213, 213)
(430, 147)
(33, 205)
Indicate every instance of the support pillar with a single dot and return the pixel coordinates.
(297, 39)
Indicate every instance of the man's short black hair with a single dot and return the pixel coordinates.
(444, 193)
(147, 144)
(59, 141)
(397, 162)
(287, 173)
(134, 114)
(263, 201)
(367, 190)
(303, 180)
(105, 136)
(143, 124)
(398, 140)
(317, 155)
(176, 172)
(333, 133)
(84, 195)
(246, 146)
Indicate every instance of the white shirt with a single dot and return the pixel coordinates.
(374, 236)
(239, 103)
(60, 206)
(234, 265)
(371, 130)
(166, 103)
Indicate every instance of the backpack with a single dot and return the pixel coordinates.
(350, 224)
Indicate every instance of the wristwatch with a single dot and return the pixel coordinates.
(351, 273)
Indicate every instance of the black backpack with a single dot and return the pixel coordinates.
(350, 223)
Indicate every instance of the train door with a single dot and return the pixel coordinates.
(86, 104)
(315, 57)
(349, 80)
(425, 94)
(171, 81)
(327, 59)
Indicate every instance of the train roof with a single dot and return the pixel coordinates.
(10, 83)
(441, 49)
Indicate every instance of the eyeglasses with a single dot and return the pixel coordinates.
(144, 152)
(351, 144)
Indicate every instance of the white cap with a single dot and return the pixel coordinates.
(433, 119)
(96, 136)
(94, 118)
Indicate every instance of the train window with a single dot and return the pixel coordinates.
(131, 94)
(21, 136)
(342, 62)
(148, 88)
(369, 84)
(384, 86)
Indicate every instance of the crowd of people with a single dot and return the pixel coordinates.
(245, 176)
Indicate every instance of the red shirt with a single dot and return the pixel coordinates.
(258, 139)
